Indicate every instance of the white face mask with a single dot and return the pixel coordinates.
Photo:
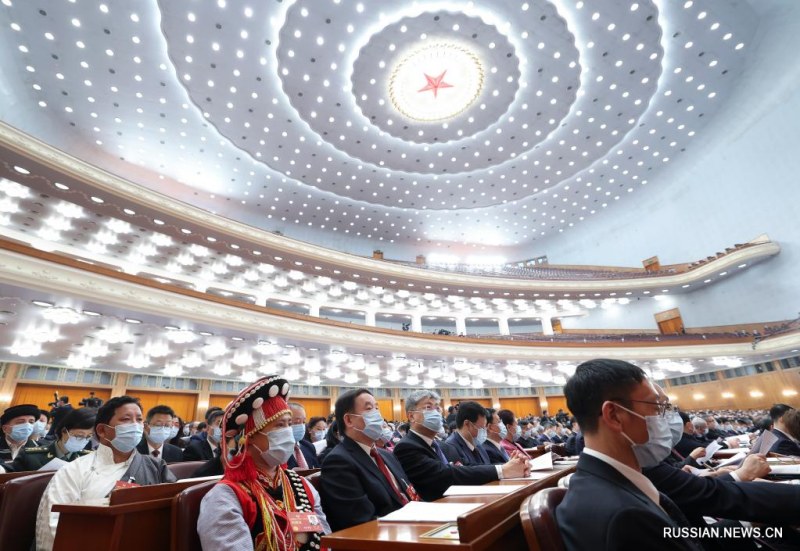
(659, 440)
(127, 436)
(159, 435)
(281, 446)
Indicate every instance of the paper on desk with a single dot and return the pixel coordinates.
(711, 449)
(735, 460)
(53, 465)
(785, 469)
(482, 490)
(320, 445)
(537, 475)
(767, 440)
(541, 463)
(421, 511)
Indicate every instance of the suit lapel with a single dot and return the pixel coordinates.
(368, 464)
(420, 442)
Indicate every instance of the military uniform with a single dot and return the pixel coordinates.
(33, 459)
(5, 451)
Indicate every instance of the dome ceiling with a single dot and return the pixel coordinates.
(405, 126)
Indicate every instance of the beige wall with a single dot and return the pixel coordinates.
(737, 392)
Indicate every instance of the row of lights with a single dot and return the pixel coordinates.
(788, 393)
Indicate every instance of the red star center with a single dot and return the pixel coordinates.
(435, 83)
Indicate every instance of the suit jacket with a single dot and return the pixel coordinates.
(575, 444)
(784, 445)
(354, 490)
(455, 448)
(699, 496)
(169, 453)
(198, 450)
(495, 454)
(429, 475)
(310, 454)
(688, 443)
(604, 510)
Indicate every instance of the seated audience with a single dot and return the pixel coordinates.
(361, 482)
(158, 427)
(495, 433)
(464, 446)
(610, 504)
(526, 440)
(385, 441)
(90, 479)
(250, 507)
(304, 456)
(426, 465)
(332, 439)
(689, 441)
(575, 443)
(40, 429)
(176, 436)
(513, 432)
(17, 424)
(74, 435)
(316, 430)
(208, 447)
(787, 443)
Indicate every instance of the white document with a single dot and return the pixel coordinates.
(785, 469)
(767, 440)
(735, 460)
(482, 490)
(320, 445)
(537, 475)
(710, 451)
(541, 463)
(421, 511)
(53, 465)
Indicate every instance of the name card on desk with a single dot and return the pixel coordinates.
(482, 490)
(421, 511)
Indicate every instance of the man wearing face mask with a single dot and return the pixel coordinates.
(464, 446)
(90, 479)
(610, 503)
(209, 447)
(157, 431)
(495, 431)
(304, 455)
(17, 423)
(258, 504)
(360, 481)
(426, 464)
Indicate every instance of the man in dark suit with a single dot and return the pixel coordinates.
(786, 425)
(424, 461)
(527, 438)
(305, 454)
(464, 445)
(207, 448)
(575, 443)
(689, 441)
(495, 432)
(157, 428)
(610, 503)
(360, 481)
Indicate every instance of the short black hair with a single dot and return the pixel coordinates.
(211, 410)
(64, 399)
(684, 417)
(45, 413)
(345, 403)
(765, 423)
(469, 411)
(506, 416)
(596, 382)
(157, 410)
(777, 411)
(107, 410)
(490, 415)
(213, 416)
(405, 427)
(81, 418)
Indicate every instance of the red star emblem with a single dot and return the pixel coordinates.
(435, 83)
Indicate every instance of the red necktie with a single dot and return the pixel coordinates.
(301, 460)
(382, 466)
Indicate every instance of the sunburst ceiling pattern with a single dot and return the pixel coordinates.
(280, 114)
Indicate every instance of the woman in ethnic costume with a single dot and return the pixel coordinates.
(258, 500)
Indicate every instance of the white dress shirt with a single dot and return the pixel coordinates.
(88, 480)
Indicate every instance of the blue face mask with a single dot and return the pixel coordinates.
(159, 435)
(75, 444)
(127, 436)
(39, 428)
(676, 428)
(433, 420)
(21, 433)
(503, 430)
(386, 435)
(215, 434)
(298, 431)
(318, 435)
(481, 438)
(373, 424)
(518, 433)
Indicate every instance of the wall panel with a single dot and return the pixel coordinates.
(42, 394)
(522, 407)
(184, 404)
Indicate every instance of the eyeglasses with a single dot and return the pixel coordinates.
(665, 409)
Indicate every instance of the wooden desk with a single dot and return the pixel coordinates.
(494, 525)
(137, 518)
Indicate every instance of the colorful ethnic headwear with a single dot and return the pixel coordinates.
(253, 409)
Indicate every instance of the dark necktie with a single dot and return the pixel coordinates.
(385, 470)
(439, 452)
(155, 453)
(477, 455)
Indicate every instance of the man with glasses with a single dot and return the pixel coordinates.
(426, 464)
(157, 430)
(610, 503)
